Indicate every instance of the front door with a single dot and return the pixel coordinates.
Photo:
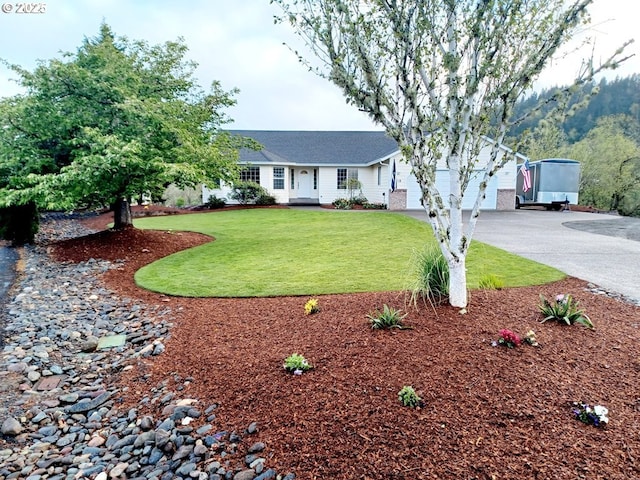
(304, 184)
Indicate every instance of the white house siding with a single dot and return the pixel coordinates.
(504, 180)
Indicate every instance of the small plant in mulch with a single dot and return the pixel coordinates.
(311, 306)
(598, 416)
(530, 338)
(296, 364)
(389, 317)
(563, 309)
(508, 339)
(409, 398)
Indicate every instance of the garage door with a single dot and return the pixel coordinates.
(442, 184)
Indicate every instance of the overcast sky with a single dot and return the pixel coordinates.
(237, 43)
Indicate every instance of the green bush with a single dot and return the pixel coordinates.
(409, 398)
(564, 310)
(296, 363)
(180, 202)
(431, 276)
(374, 206)
(266, 199)
(491, 282)
(342, 204)
(247, 192)
(19, 224)
(359, 200)
(215, 202)
(388, 318)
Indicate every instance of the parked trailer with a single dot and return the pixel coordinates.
(554, 184)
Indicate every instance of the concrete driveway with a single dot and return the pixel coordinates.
(602, 249)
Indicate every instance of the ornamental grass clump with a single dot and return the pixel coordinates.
(388, 318)
(431, 276)
(296, 364)
(564, 310)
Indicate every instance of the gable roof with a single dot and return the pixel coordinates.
(322, 148)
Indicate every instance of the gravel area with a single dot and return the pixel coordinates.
(67, 341)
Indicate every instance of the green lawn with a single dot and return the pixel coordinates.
(271, 252)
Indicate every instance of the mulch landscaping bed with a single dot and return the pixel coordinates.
(490, 412)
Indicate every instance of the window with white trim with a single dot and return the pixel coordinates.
(250, 174)
(278, 178)
(344, 174)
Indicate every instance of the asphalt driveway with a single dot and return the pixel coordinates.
(602, 249)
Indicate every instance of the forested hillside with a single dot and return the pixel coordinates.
(614, 97)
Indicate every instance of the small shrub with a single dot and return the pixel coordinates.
(215, 202)
(374, 206)
(491, 282)
(388, 318)
(341, 204)
(247, 192)
(359, 200)
(180, 202)
(296, 364)
(563, 309)
(432, 276)
(409, 398)
(311, 306)
(266, 200)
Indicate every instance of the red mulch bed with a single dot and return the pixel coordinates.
(490, 412)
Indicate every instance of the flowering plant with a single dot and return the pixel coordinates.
(311, 306)
(509, 339)
(296, 364)
(563, 309)
(596, 415)
(530, 338)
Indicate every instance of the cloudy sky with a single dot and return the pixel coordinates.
(237, 43)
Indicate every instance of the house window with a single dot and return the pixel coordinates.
(315, 178)
(379, 175)
(278, 178)
(344, 174)
(292, 176)
(250, 174)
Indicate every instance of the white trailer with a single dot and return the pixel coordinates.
(553, 183)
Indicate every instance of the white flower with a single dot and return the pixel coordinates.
(601, 412)
(297, 372)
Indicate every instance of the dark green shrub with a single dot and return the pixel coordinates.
(374, 206)
(215, 202)
(19, 223)
(266, 200)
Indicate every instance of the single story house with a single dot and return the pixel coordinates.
(312, 168)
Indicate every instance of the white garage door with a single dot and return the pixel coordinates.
(442, 184)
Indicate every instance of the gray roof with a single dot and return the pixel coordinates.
(317, 148)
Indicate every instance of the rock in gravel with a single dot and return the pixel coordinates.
(11, 427)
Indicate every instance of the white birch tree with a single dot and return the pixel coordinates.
(442, 77)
